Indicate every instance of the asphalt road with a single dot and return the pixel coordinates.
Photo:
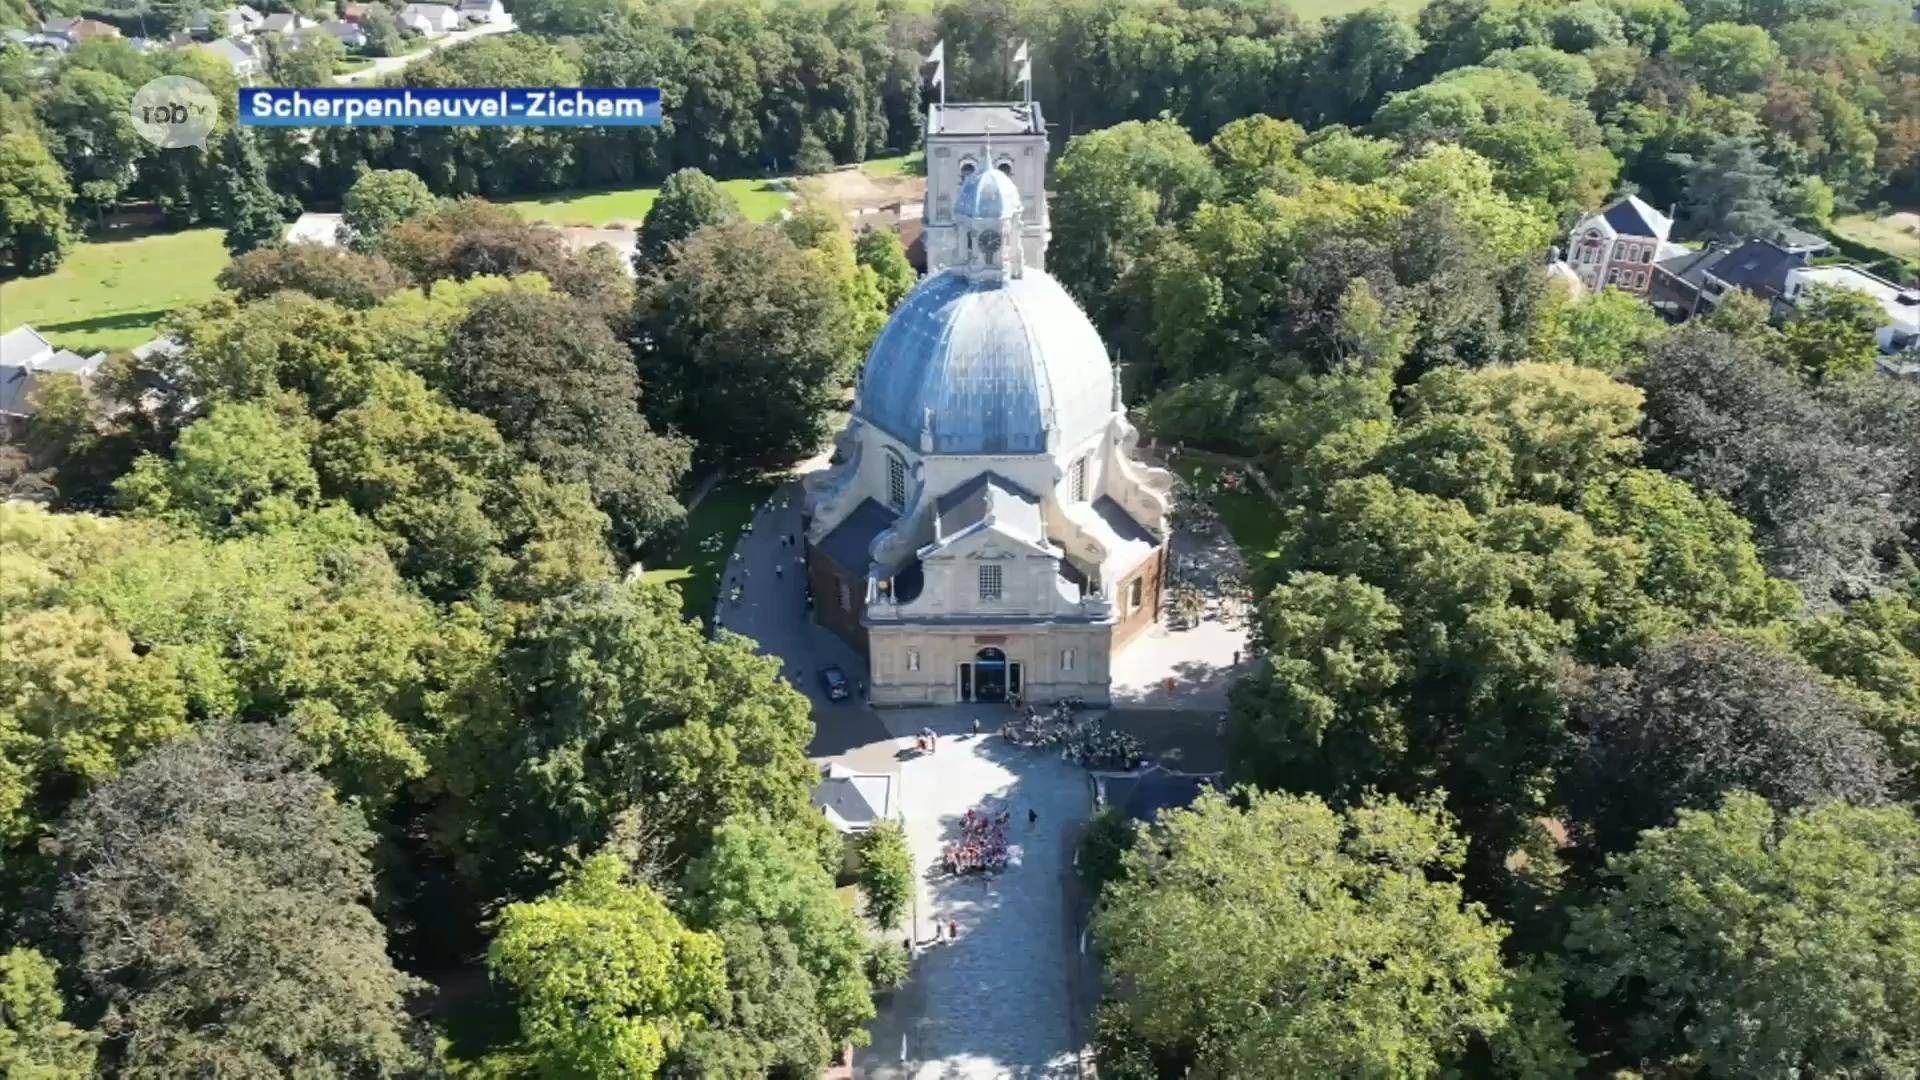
(387, 65)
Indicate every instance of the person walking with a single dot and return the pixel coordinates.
(1033, 817)
(976, 727)
(779, 572)
(953, 930)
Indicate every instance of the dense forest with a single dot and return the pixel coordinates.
(1583, 731)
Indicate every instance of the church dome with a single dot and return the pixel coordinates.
(987, 195)
(987, 365)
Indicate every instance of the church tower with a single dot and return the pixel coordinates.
(965, 138)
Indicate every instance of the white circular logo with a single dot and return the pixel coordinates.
(174, 111)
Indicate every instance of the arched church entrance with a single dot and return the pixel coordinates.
(990, 677)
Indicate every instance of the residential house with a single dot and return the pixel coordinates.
(429, 20)
(233, 22)
(354, 13)
(853, 803)
(283, 23)
(348, 34)
(75, 29)
(1618, 245)
(25, 358)
(482, 12)
(1900, 305)
(1694, 283)
(239, 54)
(38, 43)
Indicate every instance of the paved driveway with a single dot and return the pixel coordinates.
(772, 611)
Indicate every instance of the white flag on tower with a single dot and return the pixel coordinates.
(1020, 54)
(1024, 74)
(938, 58)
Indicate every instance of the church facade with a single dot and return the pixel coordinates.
(985, 529)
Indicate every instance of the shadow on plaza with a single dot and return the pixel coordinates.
(1010, 997)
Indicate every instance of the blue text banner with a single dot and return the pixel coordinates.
(365, 106)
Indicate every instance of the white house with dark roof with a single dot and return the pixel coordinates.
(1900, 305)
(25, 359)
(482, 12)
(430, 20)
(853, 803)
(239, 55)
(1618, 245)
(227, 22)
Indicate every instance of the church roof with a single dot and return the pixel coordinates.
(986, 118)
(850, 544)
(988, 195)
(987, 367)
(990, 496)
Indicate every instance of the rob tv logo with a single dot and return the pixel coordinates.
(174, 111)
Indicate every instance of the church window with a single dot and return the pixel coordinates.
(1077, 481)
(913, 659)
(896, 481)
(967, 168)
(989, 583)
(1134, 590)
(1066, 660)
(1005, 166)
(846, 597)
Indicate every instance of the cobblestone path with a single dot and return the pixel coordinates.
(1000, 1001)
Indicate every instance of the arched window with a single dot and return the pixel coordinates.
(967, 168)
(1005, 166)
(896, 481)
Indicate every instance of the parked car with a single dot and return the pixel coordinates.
(835, 681)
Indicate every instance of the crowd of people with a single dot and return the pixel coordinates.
(982, 847)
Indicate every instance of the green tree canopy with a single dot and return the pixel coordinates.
(1354, 919)
(1718, 926)
(35, 1043)
(607, 979)
(379, 201)
(688, 201)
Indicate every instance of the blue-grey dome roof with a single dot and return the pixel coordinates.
(987, 195)
(989, 365)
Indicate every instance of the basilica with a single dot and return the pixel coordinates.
(984, 529)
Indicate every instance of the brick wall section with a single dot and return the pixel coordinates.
(1151, 574)
(824, 577)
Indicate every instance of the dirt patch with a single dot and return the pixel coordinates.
(859, 190)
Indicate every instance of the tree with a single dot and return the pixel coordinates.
(1718, 925)
(255, 216)
(1727, 58)
(560, 386)
(1701, 558)
(35, 1043)
(216, 896)
(1736, 426)
(1705, 715)
(1732, 194)
(90, 132)
(384, 37)
(688, 201)
(244, 468)
(77, 703)
(771, 1025)
(35, 200)
(880, 250)
(759, 871)
(1258, 153)
(886, 873)
(613, 702)
(304, 60)
(744, 343)
(1609, 331)
(321, 271)
(1362, 930)
(607, 979)
(1831, 336)
(378, 201)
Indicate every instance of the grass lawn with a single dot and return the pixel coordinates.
(352, 64)
(596, 209)
(914, 164)
(1246, 511)
(1897, 233)
(711, 529)
(109, 294)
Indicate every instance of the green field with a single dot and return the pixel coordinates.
(1897, 233)
(1246, 512)
(712, 527)
(110, 294)
(598, 209)
(914, 164)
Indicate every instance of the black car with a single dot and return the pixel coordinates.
(835, 681)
